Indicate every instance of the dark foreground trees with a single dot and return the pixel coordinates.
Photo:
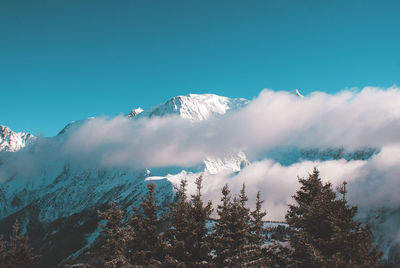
(187, 236)
(237, 234)
(116, 235)
(16, 253)
(146, 248)
(324, 231)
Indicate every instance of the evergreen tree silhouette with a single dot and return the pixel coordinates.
(232, 234)
(324, 232)
(179, 235)
(116, 236)
(146, 248)
(200, 216)
(187, 236)
(258, 234)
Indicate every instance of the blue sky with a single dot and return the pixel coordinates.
(66, 60)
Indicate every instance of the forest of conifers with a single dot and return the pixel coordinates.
(320, 231)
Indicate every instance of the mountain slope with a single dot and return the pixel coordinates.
(11, 141)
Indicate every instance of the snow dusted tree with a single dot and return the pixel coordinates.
(146, 248)
(277, 255)
(324, 233)
(16, 252)
(113, 253)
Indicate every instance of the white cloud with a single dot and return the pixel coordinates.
(370, 118)
(349, 119)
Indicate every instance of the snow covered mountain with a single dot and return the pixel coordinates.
(194, 106)
(60, 202)
(11, 141)
(58, 205)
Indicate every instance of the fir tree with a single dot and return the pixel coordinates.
(115, 238)
(303, 225)
(16, 253)
(352, 241)
(222, 236)
(200, 215)
(277, 255)
(187, 236)
(232, 233)
(179, 235)
(146, 247)
(243, 233)
(258, 234)
(324, 233)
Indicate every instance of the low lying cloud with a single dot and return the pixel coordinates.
(349, 119)
(369, 118)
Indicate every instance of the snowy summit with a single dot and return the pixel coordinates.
(11, 141)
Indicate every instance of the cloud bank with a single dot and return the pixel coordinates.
(349, 119)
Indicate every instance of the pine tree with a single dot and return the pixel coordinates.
(200, 216)
(16, 253)
(324, 233)
(302, 225)
(146, 248)
(115, 238)
(222, 236)
(277, 255)
(258, 235)
(232, 231)
(243, 233)
(187, 236)
(352, 241)
(179, 234)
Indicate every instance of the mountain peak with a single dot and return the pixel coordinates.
(135, 112)
(195, 106)
(4, 131)
(11, 141)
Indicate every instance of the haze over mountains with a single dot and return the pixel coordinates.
(55, 185)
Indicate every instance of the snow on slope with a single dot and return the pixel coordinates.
(11, 141)
(195, 106)
(230, 161)
(74, 125)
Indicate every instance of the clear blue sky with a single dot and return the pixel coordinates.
(64, 60)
